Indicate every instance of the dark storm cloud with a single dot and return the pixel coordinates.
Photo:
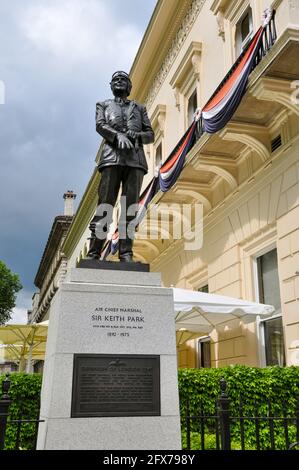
(56, 59)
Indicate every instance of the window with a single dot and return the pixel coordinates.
(204, 352)
(236, 20)
(204, 344)
(158, 154)
(244, 31)
(269, 293)
(38, 367)
(274, 343)
(192, 106)
(8, 367)
(186, 85)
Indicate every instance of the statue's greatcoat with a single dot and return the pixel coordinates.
(115, 115)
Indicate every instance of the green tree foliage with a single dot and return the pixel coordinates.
(9, 287)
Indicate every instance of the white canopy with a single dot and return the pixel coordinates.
(201, 312)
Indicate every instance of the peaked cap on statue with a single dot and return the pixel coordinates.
(121, 73)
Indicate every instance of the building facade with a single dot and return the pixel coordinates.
(245, 177)
(53, 265)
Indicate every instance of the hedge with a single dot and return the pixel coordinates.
(256, 386)
(201, 387)
(24, 394)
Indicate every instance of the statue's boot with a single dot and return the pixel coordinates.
(95, 247)
(125, 251)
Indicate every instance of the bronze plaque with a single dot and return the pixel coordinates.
(115, 385)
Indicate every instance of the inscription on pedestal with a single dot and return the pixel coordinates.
(115, 385)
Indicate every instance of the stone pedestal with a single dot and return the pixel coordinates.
(110, 376)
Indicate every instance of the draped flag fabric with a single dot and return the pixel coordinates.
(214, 116)
(145, 198)
(219, 110)
(106, 250)
(111, 246)
(171, 169)
(114, 242)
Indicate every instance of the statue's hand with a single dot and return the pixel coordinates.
(123, 142)
(132, 134)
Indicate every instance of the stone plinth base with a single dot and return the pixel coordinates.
(113, 265)
(111, 316)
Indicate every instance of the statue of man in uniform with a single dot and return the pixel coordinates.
(125, 127)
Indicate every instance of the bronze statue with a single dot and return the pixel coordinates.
(125, 127)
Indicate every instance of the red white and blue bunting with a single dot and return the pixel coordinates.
(220, 109)
(171, 169)
(106, 250)
(146, 198)
(216, 113)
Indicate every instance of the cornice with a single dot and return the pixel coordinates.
(60, 226)
(148, 72)
(45, 303)
(219, 5)
(161, 29)
(276, 4)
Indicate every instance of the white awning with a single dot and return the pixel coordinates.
(201, 312)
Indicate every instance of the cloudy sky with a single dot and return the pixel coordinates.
(56, 61)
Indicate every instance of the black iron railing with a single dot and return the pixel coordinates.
(221, 427)
(222, 430)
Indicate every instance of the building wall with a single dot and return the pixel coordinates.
(288, 249)
(255, 221)
(257, 218)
